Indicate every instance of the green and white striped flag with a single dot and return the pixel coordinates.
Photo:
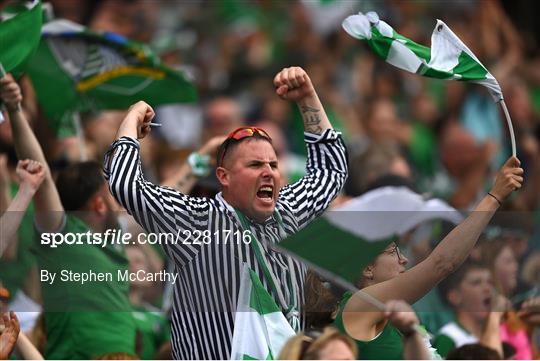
(260, 328)
(448, 57)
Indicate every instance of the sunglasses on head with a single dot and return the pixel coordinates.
(239, 134)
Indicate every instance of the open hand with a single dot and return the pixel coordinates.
(9, 333)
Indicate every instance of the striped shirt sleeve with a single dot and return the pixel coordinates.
(327, 170)
(157, 209)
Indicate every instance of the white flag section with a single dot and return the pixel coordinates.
(448, 58)
(260, 328)
(389, 211)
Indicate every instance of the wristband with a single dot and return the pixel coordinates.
(497, 199)
(199, 164)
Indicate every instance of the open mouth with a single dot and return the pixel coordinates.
(266, 193)
(487, 302)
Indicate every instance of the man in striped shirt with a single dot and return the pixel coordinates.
(212, 247)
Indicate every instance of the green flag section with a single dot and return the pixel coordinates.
(78, 70)
(345, 240)
(448, 58)
(260, 328)
(20, 31)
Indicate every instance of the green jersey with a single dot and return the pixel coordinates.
(153, 330)
(84, 320)
(385, 346)
(451, 336)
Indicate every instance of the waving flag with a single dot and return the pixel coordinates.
(20, 31)
(344, 241)
(77, 70)
(260, 328)
(448, 57)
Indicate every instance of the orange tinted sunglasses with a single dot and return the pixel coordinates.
(239, 134)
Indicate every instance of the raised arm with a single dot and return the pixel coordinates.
(327, 157)
(155, 208)
(491, 334)
(294, 84)
(31, 174)
(49, 210)
(445, 258)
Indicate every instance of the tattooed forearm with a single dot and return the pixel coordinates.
(308, 109)
(312, 119)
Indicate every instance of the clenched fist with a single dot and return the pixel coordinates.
(144, 114)
(508, 179)
(293, 84)
(10, 92)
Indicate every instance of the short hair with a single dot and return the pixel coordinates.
(77, 183)
(454, 280)
(230, 144)
(473, 351)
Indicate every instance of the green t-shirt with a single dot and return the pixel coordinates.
(85, 320)
(388, 345)
(153, 330)
(451, 336)
(13, 273)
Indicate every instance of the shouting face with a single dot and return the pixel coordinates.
(250, 178)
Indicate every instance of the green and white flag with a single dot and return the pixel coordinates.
(20, 31)
(260, 328)
(344, 241)
(448, 58)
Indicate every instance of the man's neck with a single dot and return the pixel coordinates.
(472, 325)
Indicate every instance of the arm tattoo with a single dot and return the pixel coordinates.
(307, 109)
(312, 119)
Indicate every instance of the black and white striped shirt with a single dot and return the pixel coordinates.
(205, 294)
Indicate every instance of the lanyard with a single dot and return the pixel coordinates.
(291, 309)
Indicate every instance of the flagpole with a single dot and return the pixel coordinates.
(510, 127)
(3, 74)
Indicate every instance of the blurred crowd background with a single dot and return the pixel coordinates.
(445, 139)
